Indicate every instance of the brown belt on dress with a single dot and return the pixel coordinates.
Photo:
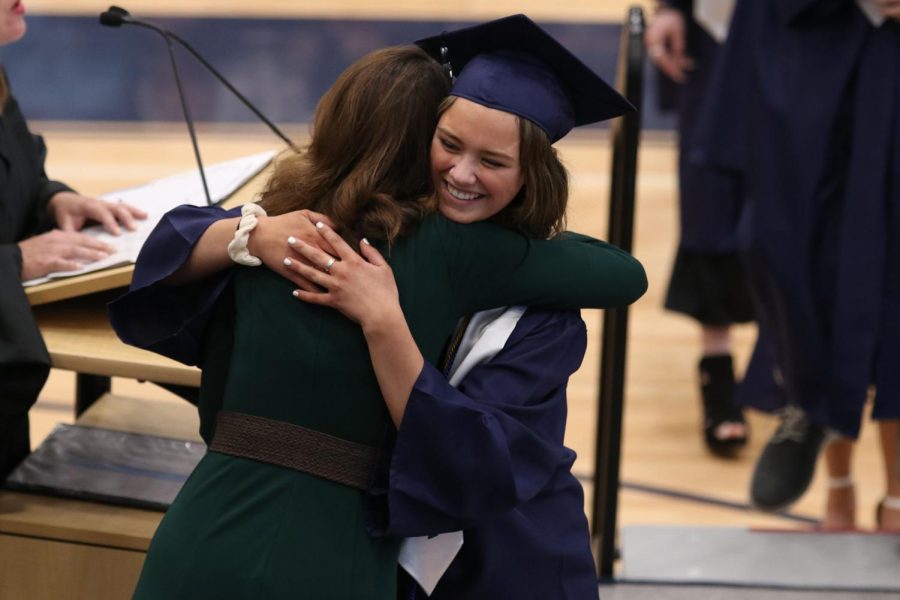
(295, 447)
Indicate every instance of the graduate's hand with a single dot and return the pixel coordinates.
(71, 212)
(269, 242)
(666, 44)
(890, 8)
(59, 250)
(361, 286)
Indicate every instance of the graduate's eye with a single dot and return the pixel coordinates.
(492, 164)
(449, 145)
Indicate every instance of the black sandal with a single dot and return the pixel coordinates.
(717, 389)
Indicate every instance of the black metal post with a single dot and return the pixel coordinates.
(626, 132)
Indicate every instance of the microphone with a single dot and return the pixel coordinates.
(116, 17)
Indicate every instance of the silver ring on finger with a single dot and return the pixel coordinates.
(329, 264)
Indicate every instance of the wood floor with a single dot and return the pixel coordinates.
(662, 445)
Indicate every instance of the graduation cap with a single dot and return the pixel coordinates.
(513, 65)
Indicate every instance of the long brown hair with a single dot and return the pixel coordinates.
(539, 209)
(367, 165)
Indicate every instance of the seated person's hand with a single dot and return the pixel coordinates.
(71, 212)
(59, 250)
(269, 242)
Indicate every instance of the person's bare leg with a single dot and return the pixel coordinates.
(716, 341)
(889, 513)
(840, 508)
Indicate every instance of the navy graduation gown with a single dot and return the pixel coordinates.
(805, 110)
(489, 458)
(709, 199)
(711, 213)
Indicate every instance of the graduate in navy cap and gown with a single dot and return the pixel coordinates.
(708, 281)
(806, 112)
(489, 458)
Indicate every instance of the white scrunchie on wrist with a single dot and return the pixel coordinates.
(237, 248)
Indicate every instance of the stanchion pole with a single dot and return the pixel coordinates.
(626, 135)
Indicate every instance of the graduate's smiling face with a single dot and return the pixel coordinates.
(475, 161)
(12, 21)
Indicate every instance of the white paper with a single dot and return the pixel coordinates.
(159, 197)
(427, 559)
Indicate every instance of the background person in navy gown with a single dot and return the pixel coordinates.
(39, 223)
(708, 281)
(806, 110)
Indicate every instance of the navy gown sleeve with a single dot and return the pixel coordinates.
(173, 318)
(490, 445)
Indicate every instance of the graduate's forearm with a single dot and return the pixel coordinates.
(210, 253)
(396, 359)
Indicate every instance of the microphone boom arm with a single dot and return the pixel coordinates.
(116, 17)
(181, 97)
(189, 120)
(232, 89)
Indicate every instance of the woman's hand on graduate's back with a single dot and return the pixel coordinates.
(269, 241)
(360, 285)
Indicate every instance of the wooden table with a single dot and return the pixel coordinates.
(82, 285)
(79, 338)
(70, 549)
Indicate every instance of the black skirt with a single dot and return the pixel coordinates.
(711, 288)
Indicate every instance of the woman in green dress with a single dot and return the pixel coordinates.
(247, 527)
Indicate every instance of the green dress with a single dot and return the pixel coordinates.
(242, 529)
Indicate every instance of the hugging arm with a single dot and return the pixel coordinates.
(567, 273)
(362, 287)
(168, 319)
(571, 271)
(183, 268)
